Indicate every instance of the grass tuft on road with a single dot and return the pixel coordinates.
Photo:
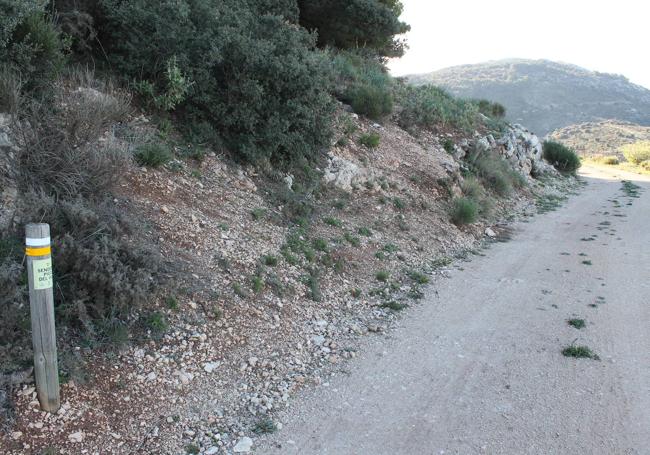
(577, 323)
(579, 352)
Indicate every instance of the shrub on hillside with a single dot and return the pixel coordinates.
(60, 152)
(610, 160)
(99, 273)
(103, 268)
(429, 107)
(370, 140)
(637, 153)
(154, 154)
(464, 211)
(562, 157)
(491, 109)
(496, 173)
(257, 78)
(34, 48)
(363, 82)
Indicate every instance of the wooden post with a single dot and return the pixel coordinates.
(41, 303)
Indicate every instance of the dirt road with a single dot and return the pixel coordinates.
(478, 369)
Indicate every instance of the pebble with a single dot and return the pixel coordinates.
(76, 437)
(244, 445)
(211, 366)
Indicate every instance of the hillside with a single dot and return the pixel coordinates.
(231, 208)
(545, 95)
(601, 138)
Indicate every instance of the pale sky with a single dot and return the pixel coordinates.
(607, 36)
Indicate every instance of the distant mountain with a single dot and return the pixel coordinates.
(545, 95)
(601, 138)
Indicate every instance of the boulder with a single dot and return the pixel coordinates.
(343, 173)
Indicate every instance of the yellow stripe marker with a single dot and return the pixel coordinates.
(43, 251)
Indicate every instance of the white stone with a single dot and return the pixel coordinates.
(209, 367)
(76, 437)
(244, 445)
(490, 233)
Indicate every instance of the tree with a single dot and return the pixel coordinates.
(348, 24)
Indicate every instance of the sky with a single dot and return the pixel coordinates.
(606, 36)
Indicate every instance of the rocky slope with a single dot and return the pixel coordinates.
(545, 95)
(246, 332)
(601, 138)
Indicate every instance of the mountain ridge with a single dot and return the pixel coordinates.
(546, 95)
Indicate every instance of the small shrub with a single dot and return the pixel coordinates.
(356, 293)
(382, 276)
(610, 160)
(239, 291)
(333, 221)
(370, 140)
(373, 102)
(270, 260)
(636, 153)
(192, 449)
(364, 84)
(579, 352)
(156, 323)
(172, 303)
(496, 173)
(430, 107)
(320, 244)
(352, 240)
(394, 306)
(390, 248)
(313, 285)
(472, 188)
(448, 145)
(491, 109)
(365, 232)
(577, 323)
(464, 211)
(265, 426)
(257, 284)
(258, 213)
(36, 49)
(418, 277)
(563, 158)
(399, 204)
(153, 154)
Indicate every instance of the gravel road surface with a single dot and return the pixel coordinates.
(478, 367)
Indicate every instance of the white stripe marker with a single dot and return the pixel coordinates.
(37, 242)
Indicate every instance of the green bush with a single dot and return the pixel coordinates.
(364, 83)
(562, 157)
(257, 79)
(99, 273)
(154, 154)
(464, 211)
(472, 188)
(371, 101)
(496, 173)
(448, 145)
(491, 109)
(429, 107)
(35, 48)
(370, 140)
(637, 153)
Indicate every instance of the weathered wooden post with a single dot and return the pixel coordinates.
(41, 303)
